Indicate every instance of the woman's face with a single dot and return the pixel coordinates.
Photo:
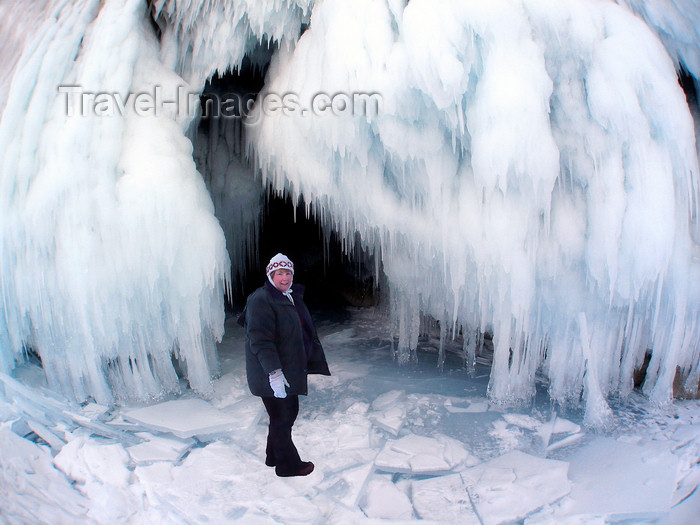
(282, 279)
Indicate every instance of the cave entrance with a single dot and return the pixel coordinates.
(257, 222)
(333, 279)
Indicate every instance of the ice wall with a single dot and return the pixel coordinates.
(677, 24)
(532, 171)
(112, 260)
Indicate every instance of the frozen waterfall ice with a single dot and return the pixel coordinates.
(523, 168)
(532, 172)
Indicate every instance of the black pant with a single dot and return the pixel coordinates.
(280, 450)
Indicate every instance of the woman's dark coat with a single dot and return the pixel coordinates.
(274, 340)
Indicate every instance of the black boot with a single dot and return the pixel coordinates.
(306, 468)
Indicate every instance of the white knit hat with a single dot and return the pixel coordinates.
(279, 262)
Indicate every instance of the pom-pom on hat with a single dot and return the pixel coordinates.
(279, 262)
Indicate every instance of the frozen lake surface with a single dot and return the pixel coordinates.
(390, 444)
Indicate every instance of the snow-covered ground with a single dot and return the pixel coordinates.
(391, 445)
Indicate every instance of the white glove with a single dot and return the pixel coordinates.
(278, 382)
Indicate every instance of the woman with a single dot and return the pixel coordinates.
(282, 347)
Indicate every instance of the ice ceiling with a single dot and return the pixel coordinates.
(531, 172)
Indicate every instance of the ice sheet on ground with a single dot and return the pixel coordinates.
(187, 417)
(414, 454)
(347, 486)
(237, 486)
(346, 434)
(444, 499)
(384, 500)
(512, 486)
(685, 434)
(159, 448)
(227, 481)
(246, 412)
(48, 409)
(612, 477)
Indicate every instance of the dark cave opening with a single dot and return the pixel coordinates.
(333, 279)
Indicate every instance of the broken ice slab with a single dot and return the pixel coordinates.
(347, 486)
(444, 499)
(184, 418)
(388, 400)
(466, 406)
(246, 412)
(414, 454)
(45, 408)
(389, 411)
(390, 420)
(159, 448)
(55, 442)
(565, 442)
(564, 426)
(94, 411)
(509, 487)
(347, 459)
(385, 501)
(38, 492)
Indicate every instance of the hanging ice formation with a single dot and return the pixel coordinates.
(112, 260)
(530, 170)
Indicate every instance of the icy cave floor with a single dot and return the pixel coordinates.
(390, 444)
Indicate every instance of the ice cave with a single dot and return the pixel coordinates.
(524, 171)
